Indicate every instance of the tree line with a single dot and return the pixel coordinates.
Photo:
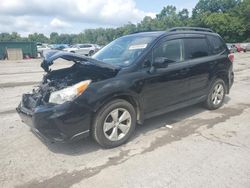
(229, 18)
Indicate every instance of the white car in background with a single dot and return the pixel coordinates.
(41, 48)
(83, 49)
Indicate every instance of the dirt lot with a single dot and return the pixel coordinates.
(202, 149)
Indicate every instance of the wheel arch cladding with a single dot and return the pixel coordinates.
(224, 76)
(130, 99)
(220, 75)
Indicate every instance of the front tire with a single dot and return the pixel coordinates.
(216, 95)
(114, 123)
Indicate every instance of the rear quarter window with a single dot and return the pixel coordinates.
(216, 43)
(196, 48)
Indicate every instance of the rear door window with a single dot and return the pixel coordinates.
(216, 44)
(196, 48)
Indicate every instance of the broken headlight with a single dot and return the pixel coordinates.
(69, 93)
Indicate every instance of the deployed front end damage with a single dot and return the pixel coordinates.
(50, 109)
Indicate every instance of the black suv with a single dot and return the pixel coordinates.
(131, 79)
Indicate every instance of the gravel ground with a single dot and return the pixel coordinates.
(192, 147)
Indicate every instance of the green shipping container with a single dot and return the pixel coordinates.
(28, 48)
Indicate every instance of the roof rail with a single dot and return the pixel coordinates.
(190, 29)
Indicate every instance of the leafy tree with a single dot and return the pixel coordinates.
(231, 28)
(166, 11)
(14, 36)
(38, 37)
(214, 6)
(243, 12)
(54, 37)
(183, 14)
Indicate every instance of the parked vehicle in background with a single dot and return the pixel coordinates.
(240, 48)
(248, 47)
(133, 78)
(83, 49)
(59, 46)
(41, 48)
(231, 48)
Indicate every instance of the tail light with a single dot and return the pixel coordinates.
(231, 57)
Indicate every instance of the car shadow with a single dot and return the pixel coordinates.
(88, 145)
(172, 117)
(227, 99)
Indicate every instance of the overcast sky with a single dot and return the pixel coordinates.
(73, 16)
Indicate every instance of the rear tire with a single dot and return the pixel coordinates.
(114, 123)
(216, 95)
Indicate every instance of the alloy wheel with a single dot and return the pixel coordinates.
(117, 124)
(218, 94)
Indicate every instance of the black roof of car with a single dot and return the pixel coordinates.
(149, 33)
(179, 30)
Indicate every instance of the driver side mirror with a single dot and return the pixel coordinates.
(161, 62)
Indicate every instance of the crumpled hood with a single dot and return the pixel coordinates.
(52, 55)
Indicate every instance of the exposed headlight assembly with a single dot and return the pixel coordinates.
(69, 93)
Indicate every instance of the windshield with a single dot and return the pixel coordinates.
(123, 51)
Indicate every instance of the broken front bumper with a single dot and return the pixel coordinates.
(56, 123)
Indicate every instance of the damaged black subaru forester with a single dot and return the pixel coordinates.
(131, 79)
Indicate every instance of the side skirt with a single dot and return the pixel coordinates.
(175, 107)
